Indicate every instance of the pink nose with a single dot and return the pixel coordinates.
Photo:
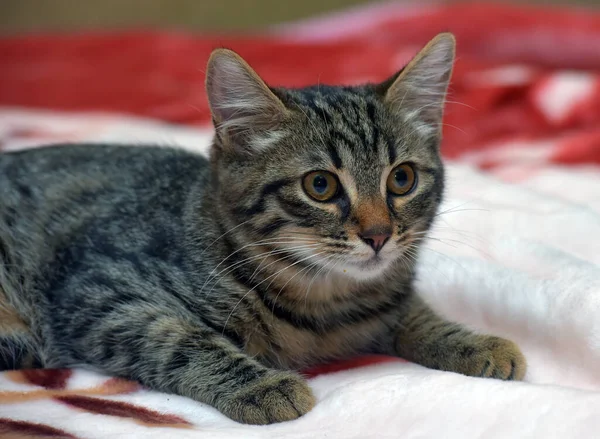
(375, 238)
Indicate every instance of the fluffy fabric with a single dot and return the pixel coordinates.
(515, 254)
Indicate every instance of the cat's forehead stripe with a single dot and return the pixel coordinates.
(350, 122)
(335, 157)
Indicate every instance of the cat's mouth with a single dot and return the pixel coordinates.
(366, 268)
(371, 263)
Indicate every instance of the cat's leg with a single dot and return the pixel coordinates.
(177, 355)
(425, 338)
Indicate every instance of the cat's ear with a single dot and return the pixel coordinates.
(243, 107)
(418, 91)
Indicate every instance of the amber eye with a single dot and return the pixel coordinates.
(320, 185)
(402, 179)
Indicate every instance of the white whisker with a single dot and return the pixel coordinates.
(269, 241)
(229, 231)
(250, 259)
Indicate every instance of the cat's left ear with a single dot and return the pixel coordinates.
(419, 90)
(245, 110)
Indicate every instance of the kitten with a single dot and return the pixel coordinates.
(218, 279)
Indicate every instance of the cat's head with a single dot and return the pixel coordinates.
(345, 178)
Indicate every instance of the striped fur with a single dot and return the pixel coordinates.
(218, 279)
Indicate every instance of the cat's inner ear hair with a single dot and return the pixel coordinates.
(246, 113)
(417, 93)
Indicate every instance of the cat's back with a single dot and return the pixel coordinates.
(89, 174)
(54, 196)
(53, 168)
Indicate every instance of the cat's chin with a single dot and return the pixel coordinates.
(365, 270)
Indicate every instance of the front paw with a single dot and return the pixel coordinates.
(491, 357)
(278, 397)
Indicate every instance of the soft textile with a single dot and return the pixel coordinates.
(518, 256)
(515, 250)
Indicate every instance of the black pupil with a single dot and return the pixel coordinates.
(320, 184)
(401, 178)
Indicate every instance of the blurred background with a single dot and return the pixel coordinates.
(202, 15)
(527, 70)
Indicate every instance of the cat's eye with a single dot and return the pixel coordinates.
(320, 185)
(402, 179)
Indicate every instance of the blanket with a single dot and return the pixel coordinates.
(514, 251)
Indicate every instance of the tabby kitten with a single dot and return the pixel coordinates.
(217, 279)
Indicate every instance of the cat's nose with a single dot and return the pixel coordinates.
(376, 237)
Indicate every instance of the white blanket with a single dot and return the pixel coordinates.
(516, 259)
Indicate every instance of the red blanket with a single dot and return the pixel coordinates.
(509, 60)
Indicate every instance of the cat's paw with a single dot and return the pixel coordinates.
(492, 357)
(278, 397)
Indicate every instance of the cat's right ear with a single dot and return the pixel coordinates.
(418, 91)
(244, 109)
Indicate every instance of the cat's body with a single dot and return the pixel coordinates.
(213, 278)
(114, 216)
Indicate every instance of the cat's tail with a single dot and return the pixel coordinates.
(18, 346)
(17, 352)
(17, 343)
